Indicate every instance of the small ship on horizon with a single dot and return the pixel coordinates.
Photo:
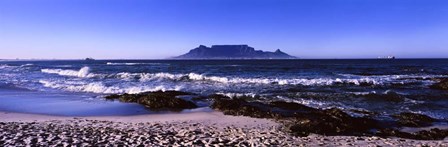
(386, 57)
(90, 59)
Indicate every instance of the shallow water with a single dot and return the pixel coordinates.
(384, 86)
(64, 104)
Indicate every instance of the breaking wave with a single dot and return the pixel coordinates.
(29, 64)
(98, 87)
(232, 95)
(82, 73)
(144, 77)
(403, 77)
(5, 66)
(237, 80)
(112, 63)
(306, 102)
(14, 67)
(195, 77)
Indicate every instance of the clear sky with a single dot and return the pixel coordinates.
(150, 29)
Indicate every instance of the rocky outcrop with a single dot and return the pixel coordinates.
(159, 100)
(291, 106)
(332, 122)
(433, 134)
(302, 120)
(413, 120)
(232, 52)
(299, 120)
(442, 84)
(240, 107)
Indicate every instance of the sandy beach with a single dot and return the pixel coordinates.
(186, 129)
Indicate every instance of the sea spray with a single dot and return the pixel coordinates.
(98, 87)
(82, 73)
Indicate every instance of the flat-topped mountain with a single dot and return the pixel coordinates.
(232, 52)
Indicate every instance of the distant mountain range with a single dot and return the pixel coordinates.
(232, 52)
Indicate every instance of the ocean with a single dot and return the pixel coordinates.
(77, 88)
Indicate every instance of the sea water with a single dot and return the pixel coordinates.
(77, 87)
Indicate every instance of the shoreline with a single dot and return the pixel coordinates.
(195, 128)
(215, 117)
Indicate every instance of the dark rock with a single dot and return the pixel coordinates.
(291, 106)
(366, 84)
(413, 120)
(387, 96)
(158, 100)
(433, 134)
(200, 98)
(441, 85)
(240, 107)
(232, 52)
(390, 132)
(332, 122)
(243, 97)
(112, 97)
(218, 96)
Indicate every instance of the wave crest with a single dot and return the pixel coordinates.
(195, 77)
(238, 80)
(112, 63)
(98, 87)
(82, 73)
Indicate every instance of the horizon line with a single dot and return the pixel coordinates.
(105, 59)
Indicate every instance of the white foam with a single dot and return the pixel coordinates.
(363, 93)
(82, 73)
(24, 65)
(144, 77)
(238, 80)
(63, 66)
(13, 67)
(112, 63)
(85, 73)
(98, 87)
(231, 95)
(395, 77)
(4, 66)
(162, 76)
(126, 76)
(306, 102)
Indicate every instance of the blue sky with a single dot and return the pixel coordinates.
(151, 29)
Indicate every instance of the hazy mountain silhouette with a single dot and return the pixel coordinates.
(232, 52)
